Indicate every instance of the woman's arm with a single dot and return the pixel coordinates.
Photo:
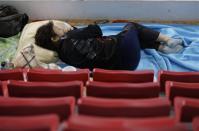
(91, 31)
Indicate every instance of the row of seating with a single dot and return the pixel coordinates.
(48, 122)
(99, 75)
(63, 107)
(89, 123)
(76, 89)
(44, 75)
(185, 108)
(81, 74)
(15, 88)
(153, 107)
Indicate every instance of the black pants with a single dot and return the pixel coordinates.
(147, 37)
(133, 38)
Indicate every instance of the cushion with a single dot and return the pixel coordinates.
(28, 38)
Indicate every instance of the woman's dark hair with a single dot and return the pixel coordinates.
(43, 36)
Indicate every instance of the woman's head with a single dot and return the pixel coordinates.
(48, 36)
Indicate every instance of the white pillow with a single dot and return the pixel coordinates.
(26, 59)
(28, 38)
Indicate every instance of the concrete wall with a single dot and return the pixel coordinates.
(118, 9)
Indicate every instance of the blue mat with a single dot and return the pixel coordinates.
(186, 60)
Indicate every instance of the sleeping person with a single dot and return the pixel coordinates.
(88, 48)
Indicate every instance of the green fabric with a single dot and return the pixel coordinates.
(8, 47)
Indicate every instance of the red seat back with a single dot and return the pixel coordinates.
(189, 77)
(122, 76)
(58, 76)
(63, 107)
(14, 74)
(196, 124)
(45, 89)
(186, 109)
(122, 90)
(1, 88)
(88, 123)
(124, 107)
(174, 89)
(31, 123)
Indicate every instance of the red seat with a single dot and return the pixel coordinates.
(38, 69)
(45, 89)
(58, 76)
(30, 123)
(15, 74)
(122, 76)
(88, 123)
(124, 107)
(186, 109)
(63, 107)
(196, 123)
(122, 90)
(188, 77)
(174, 89)
(1, 89)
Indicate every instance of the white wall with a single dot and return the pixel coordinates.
(118, 9)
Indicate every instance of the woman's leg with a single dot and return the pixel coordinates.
(129, 50)
(152, 39)
(147, 37)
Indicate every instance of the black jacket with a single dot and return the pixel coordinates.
(87, 48)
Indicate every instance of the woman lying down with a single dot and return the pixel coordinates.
(88, 48)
